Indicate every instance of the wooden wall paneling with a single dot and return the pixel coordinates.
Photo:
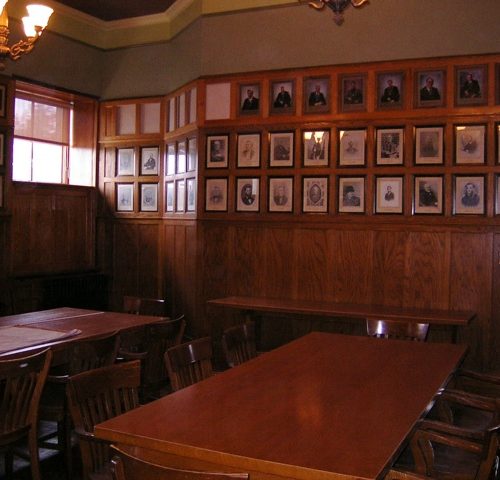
(494, 331)
(125, 256)
(192, 307)
(149, 271)
(168, 255)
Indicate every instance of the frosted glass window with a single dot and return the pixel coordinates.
(48, 160)
(150, 118)
(192, 106)
(126, 120)
(21, 165)
(171, 115)
(182, 110)
(218, 101)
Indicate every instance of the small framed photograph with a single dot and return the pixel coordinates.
(281, 148)
(469, 194)
(125, 165)
(390, 91)
(315, 145)
(352, 95)
(389, 195)
(217, 148)
(169, 196)
(216, 194)
(471, 85)
(282, 97)
(430, 88)
(2, 149)
(181, 162)
(390, 143)
(351, 194)
(170, 159)
(352, 147)
(470, 143)
(149, 160)
(191, 194)
(249, 99)
(428, 195)
(124, 197)
(317, 95)
(315, 194)
(281, 194)
(180, 195)
(192, 154)
(149, 197)
(247, 194)
(248, 150)
(3, 101)
(429, 145)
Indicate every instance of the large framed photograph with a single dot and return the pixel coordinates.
(430, 88)
(248, 150)
(124, 197)
(471, 85)
(315, 194)
(389, 194)
(181, 162)
(125, 164)
(390, 90)
(249, 102)
(247, 194)
(192, 154)
(351, 194)
(216, 194)
(149, 160)
(352, 147)
(470, 141)
(169, 196)
(180, 195)
(281, 148)
(317, 95)
(315, 146)
(170, 159)
(352, 95)
(469, 194)
(428, 195)
(217, 151)
(282, 97)
(280, 194)
(429, 145)
(149, 197)
(390, 146)
(190, 194)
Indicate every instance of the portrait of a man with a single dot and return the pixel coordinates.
(316, 95)
(249, 99)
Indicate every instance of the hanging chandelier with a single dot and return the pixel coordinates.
(337, 6)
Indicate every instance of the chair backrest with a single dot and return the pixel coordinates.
(128, 467)
(95, 396)
(238, 343)
(145, 306)
(189, 362)
(397, 329)
(93, 353)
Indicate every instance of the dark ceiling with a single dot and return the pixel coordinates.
(118, 9)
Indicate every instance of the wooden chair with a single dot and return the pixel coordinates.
(21, 383)
(145, 306)
(127, 467)
(397, 329)
(189, 362)
(82, 356)
(485, 384)
(96, 396)
(402, 475)
(238, 343)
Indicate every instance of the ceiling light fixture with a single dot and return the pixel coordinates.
(34, 23)
(337, 6)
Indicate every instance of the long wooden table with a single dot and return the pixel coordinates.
(325, 406)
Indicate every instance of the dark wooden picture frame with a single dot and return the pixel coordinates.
(248, 150)
(352, 93)
(315, 194)
(247, 194)
(316, 148)
(469, 194)
(471, 85)
(124, 197)
(390, 90)
(282, 97)
(428, 194)
(352, 147)
(429, 145)
(148, 197)
(470, 144)
(390, 146)
(217, 151)
(389, 194)
(430, 88)
(351, 194)
(317, 94)
(249, 99)
(281, 149)
(216, 194)
(280, 194)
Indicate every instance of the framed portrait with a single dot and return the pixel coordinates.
(469, 194)
(390, 90)
(2, 149)
(428, 195)
(192, 154)
(317, 94)
(315, 194)
(190, 194)
(429, 145)
(216, 194)
(149, 197)
(351, 194)
(247, 194)
(170, 159)
(180, 195)
(389, 195)
(248, 150)
(315, 147)
(280, 194)
(217, 149)
(181, 157)
(390, 146)
(352, 147)
(281, 149)
(470, 143)
(471, 85)
(169, 196)
(124, 197)
(430, 88)
(352, 95)
(249, 99)
(149, 160)
(282, 97)
(3, 100)
(125, 164)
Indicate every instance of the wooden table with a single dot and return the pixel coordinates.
(325, 406)
(252, 306)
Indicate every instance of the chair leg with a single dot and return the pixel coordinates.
(34, 455)
(9, 464)
(67, 445)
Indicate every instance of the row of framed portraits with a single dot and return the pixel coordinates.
(429, 148)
